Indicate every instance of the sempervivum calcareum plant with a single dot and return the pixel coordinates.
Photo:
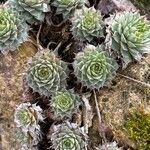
(13, 30)
(87, 24)
(130, 36)
(64, 103)
(109, 146)
(46, 73)
(94, 67)
(32, 10)
(68, 137)
(67, 7)
(27, 117)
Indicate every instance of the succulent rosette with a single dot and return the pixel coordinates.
(130, 36)
(87, 24)
(68, 137)
(46, 73)
(67, 7)
(13, 30)
(94, 68)
(64, 103)
(32, 10)
(27, 117)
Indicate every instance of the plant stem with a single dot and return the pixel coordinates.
(102, 133)
(97, 108)
(37, 38)
(134, 80)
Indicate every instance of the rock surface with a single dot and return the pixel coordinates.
(12, 68)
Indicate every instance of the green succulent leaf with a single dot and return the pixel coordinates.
(94, 68)
(13, 30)
(46, 73)
(32, 10)
(64, 103)
(68, 138)
(87, 24)
(67, 7)
(130, 36)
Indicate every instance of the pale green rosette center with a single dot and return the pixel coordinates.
(140, 31)
(96, 67)
(24, 117)
(5, 25)
(94, 70)
(63, 101)
(69, 142)
(43, 73)
(90, 20)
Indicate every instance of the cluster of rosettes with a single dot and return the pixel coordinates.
(94, 68)
(32, 10)
(64, 103)
(87, 24)
(67, 7)
(130, 36)
(68, 137)
(27, 116)
(46, 73)
(13, 30)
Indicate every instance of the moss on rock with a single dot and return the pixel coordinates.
(137, 127)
